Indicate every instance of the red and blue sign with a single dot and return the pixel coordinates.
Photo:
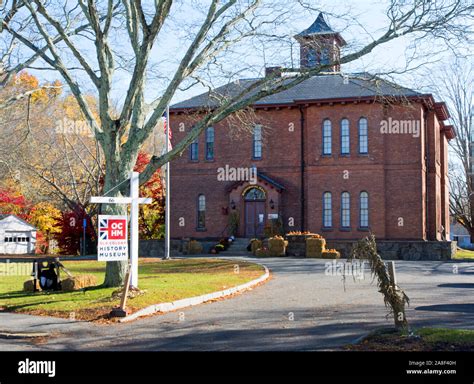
(113, 238)
(113, 229)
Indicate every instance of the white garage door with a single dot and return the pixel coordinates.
(17, 242)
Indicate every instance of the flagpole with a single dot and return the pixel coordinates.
(167, 189)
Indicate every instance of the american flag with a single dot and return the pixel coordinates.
(165, 120)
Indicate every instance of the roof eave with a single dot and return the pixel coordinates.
(299, 102)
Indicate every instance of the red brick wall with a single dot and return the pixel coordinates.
(393, 173)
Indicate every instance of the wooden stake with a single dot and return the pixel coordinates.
(122, 310)
(123, 302)
(392, 274)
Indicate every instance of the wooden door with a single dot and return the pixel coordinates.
(254, 218)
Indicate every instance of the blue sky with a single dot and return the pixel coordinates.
(360, 19)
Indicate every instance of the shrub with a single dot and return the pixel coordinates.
(234, 221)
(274, 227)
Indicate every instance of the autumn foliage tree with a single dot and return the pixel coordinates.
(12, 202)
(45, 217)
(151, 215)
(71, 233)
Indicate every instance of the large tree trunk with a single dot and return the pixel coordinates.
(115, 273)
(115, 270)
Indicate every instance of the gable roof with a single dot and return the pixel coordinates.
(262, 177)
(320, 87)
(4, 216)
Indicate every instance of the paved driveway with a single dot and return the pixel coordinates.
(300, 308)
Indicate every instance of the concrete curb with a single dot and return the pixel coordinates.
(191, 301)
(22, 335)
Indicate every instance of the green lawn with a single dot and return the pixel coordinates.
(464, 254)
(163, 281)
(423, 339)
(446, 335)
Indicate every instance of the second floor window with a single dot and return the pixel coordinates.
(210, 143)
(327, 137)
(194, 150)
(363, 136)
(345, 138)
(257, 142)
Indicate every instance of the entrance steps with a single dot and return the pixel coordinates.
(238, 248)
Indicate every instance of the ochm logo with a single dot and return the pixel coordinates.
(113, 229)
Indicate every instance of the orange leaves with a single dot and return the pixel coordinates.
(45, 217)
(26, 82)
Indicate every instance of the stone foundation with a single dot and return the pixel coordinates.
(156, 248)
(388, 249)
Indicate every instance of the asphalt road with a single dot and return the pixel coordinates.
(300, 308)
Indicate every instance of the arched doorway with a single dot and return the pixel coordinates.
(255, 198)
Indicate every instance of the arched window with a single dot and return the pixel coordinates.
(327, 210)
(327, 137)
(257, 142)
(254, 194)
(201, 217)
(345, 137)
(210, 143)
(363, 135)
(345, 210)
(194, 150)
(364, 210)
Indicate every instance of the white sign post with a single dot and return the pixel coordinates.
(135, 201)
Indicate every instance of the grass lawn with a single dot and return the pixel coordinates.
(163, 281)
(464, 254)
(424, 339)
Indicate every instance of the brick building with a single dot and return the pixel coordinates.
(339, 154)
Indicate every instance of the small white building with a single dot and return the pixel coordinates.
(461, 235)
(17, 237)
